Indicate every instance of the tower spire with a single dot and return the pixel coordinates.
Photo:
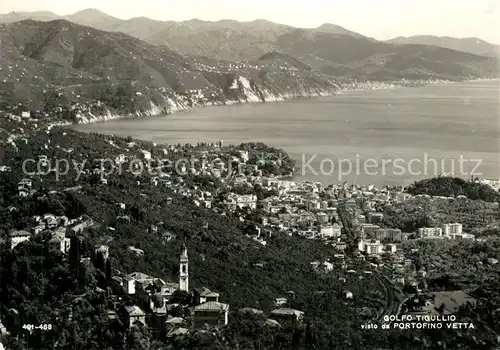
(184, 270)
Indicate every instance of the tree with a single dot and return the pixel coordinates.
(74, 253)
(181, 297)
(74, 207)
(283, 210)
(309, 336)
(108, 272)
(137, 213)
(82, 276)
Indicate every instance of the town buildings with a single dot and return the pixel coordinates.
(59, 241)
(371, 247)
(430, 232)
(25, 187)
(295, 210)
(211, 313)
(452, 229)
(389, 234)
(17, 237)
(135, 316)
(287, 315)
(234, 201)
(203, 295)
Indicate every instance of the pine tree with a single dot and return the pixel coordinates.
(308, 335)
(82, 276)
(74, 253)
(296, 338)
(108, 272)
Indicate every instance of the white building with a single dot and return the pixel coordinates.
(280, 301)
(248, 201)
(313, 205)
(371, 247)
(244, 156)
(322, 218)
(430, 232)
(337, 230)
(348, 294)
(462, 236)
(452, 229)
(17, 237)
(326, 231)
(24, 187)
(328, 266)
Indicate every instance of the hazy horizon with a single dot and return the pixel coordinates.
(382, 19)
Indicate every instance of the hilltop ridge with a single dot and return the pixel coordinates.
(60, 63)
(97, 74)
(190, 34)
(470, 45)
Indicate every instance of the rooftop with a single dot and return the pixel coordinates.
(212, 306)
(272, 323)
(178, 331)
(138, 276)
(58, 235)
(20, 233)
(175, 320)
(134, 311)
(287, 312)
(171, 285)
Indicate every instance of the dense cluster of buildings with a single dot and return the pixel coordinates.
(297, 208)
(304, 209)
(59, 229)
(155, 303)
(157, 306)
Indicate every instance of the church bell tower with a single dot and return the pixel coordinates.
(184, 270)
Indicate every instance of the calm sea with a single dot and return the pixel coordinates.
(372, 137)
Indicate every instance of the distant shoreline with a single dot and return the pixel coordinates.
(341, 89)
(185, 137)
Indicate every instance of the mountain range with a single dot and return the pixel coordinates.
(60, 63)
(229, 39)
(142, 65)
(472, 45)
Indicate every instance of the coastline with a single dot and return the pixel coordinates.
(296, 176)
(180, 104)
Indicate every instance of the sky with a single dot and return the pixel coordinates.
(381, 19)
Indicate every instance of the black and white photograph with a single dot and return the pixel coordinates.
(253, 175)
